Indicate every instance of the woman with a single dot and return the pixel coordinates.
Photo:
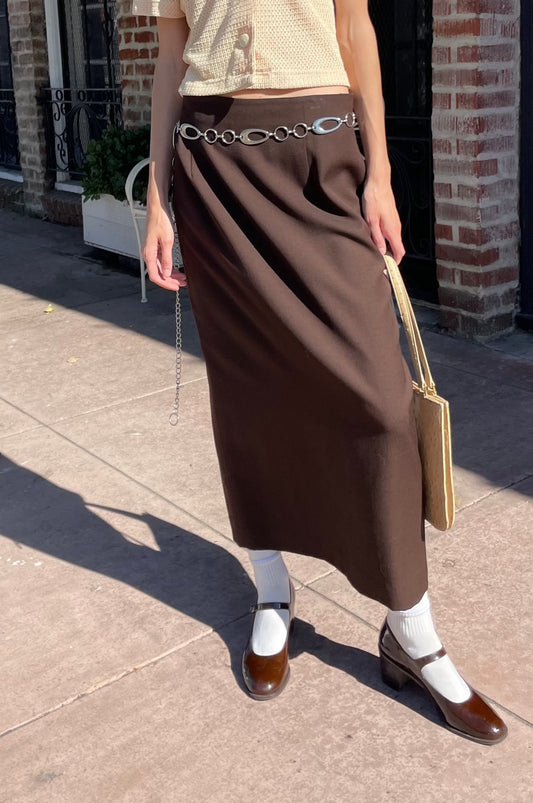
(282, 228)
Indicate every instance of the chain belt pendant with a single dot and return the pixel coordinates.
(174, 415)
(256, 136)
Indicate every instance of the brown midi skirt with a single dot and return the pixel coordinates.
(311, 399)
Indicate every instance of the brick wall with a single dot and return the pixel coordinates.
(476, 77)
(30, 72)
(138, 52)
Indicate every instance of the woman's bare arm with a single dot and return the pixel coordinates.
(166, 109)
(357, 43)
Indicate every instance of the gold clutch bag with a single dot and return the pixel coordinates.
(432, 414)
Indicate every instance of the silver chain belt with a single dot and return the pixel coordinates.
(248, 136)
(256, 136)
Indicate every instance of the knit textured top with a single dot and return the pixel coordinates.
(258, 44)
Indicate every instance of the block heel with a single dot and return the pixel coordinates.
(391, 674)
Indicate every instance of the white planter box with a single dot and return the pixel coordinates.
(108, 224)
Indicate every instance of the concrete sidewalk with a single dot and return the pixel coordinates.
(125, 600)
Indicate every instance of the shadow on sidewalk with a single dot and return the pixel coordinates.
(362, 666)
(188, 573)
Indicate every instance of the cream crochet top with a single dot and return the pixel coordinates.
(260, 44)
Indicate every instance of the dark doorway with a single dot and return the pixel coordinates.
(9, 144)
(524, 318)
(404, 33)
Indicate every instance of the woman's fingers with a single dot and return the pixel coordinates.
(398, 251)
(149, 254)
(374, 225)
(166, 257)
(394, 238)
(176, 280)
(161, 271)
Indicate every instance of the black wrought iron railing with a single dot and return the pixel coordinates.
(73, 117)
(9, 141)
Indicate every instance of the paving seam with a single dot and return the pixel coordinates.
(91, 411)
(117, 403)
(140, 484)
(20, 431)
(341, 607)
(493, 493)
(376, 630)
(327, 573)
(117, 678)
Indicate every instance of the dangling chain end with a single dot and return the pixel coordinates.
(174, 415)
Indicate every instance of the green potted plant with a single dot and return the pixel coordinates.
(107, 220)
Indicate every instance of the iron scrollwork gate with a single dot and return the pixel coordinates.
(90, 98)
(404, 33)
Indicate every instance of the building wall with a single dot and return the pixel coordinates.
(138, 52)
(30, 72)
(476, 141)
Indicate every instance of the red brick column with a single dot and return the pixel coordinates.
(30, 72)
(476, 76)
(137, 37)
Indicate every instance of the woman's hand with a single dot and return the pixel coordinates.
(157, 248)
(381, 215)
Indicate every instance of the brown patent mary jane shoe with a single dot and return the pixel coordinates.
(266, 676)
(473, 718)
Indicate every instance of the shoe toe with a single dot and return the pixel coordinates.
(476, 719)
(265, 675)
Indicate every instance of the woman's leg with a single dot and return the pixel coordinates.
(415, 632)
(272, 580)
(265, 662)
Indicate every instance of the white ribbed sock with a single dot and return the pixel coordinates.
(415, 631)
(272, 580)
